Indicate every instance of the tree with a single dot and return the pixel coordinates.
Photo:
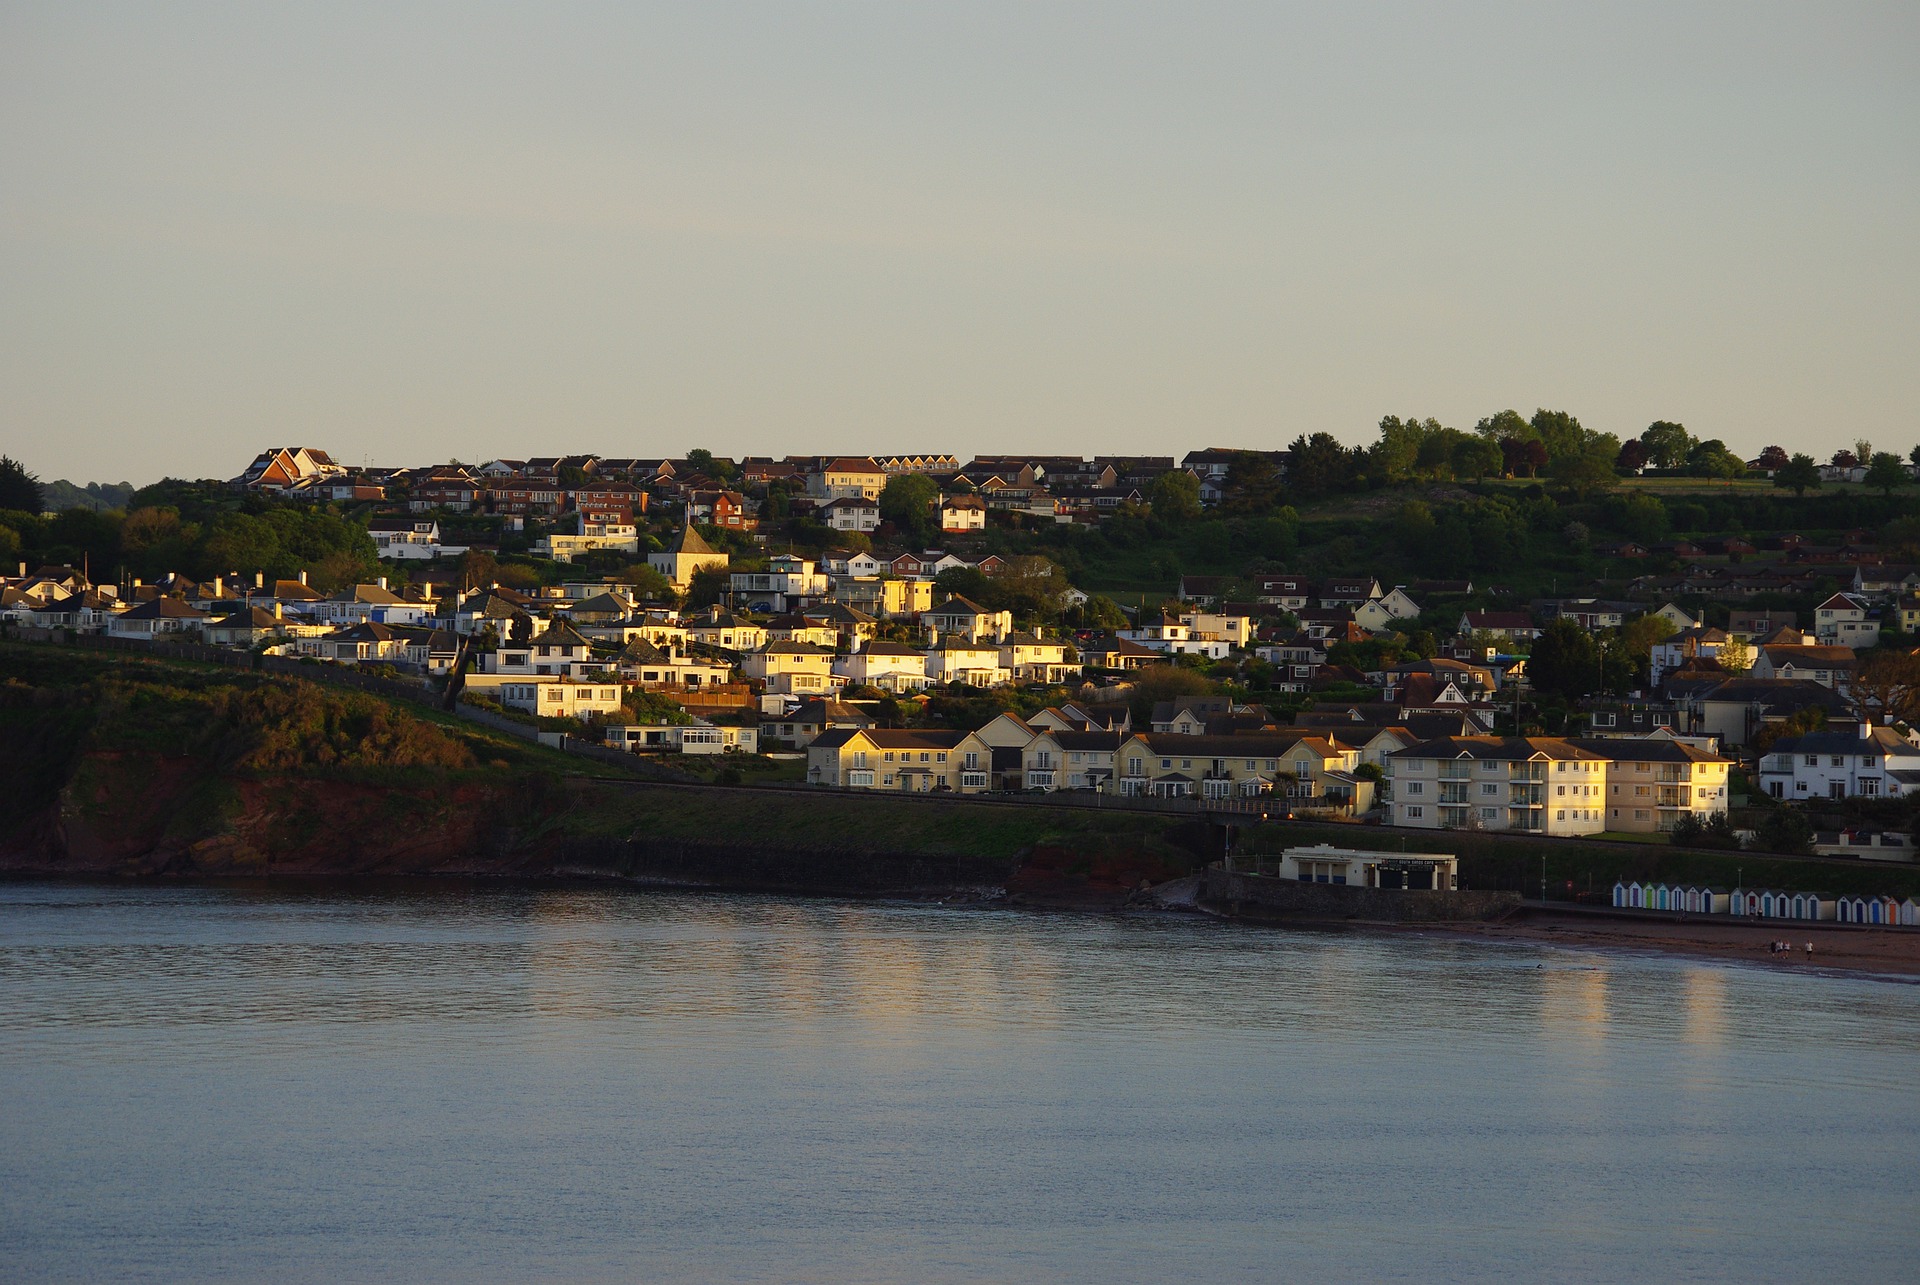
(1504, 424)
(1844, 458)
(1736, 657)
(1632, 457)
(1667, 443)
(707, 586)
(1254, 483)
(646, 582)
(1102, 612)
(718, 467)
(19, 489)
(1475, 457)
(1886, 687)
(1561, 433)
(907, 501)
(1320, 465)
(1585, 471)
(1810, 719)
(1711, 458)
(1774, 458)
(1885, 472)
(1175, 496)
(1799, 475)
(476, 569)
(1913, 457)
(1565, 660)
(1784, 829)
(1637, 639)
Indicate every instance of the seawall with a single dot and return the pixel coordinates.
(1241, 896)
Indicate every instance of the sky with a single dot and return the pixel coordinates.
(408, 233)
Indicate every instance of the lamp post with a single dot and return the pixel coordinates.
(1543, 878)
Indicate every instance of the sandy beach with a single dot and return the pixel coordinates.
(1871, 950)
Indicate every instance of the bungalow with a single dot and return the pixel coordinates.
(697, 737)
(722, 628)
(409, 538)
(559, 652)
(801, 724)
(365, 643)
(156, 618)
(1830, 666)
(245, 627)
(1118, 653)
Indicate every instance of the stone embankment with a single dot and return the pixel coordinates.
(1267, 899)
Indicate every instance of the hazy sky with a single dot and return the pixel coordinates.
(410, 232)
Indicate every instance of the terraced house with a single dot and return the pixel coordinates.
(918, 761)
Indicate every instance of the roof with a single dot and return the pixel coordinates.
(1508, 748)
(1499, 620)
(848, 464)
(891, 649)
(690, 541)
(1777, 695)
(958, 605)
(163, 609)
(1078, 740)
(561, 634)
(1629, 749)
(892, 738)
(1881, 740)
(1172, 744)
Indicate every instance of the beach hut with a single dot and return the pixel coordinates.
(1910, 913)
(1619, 894)
(1716, 901)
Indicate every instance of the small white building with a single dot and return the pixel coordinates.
(851, 513)
(1355, 868)
(410, 539)
(1872, 762)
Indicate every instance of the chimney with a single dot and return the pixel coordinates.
(219, 586)
(303, 577)
(383, 582)
(277, 613)
(259, 579)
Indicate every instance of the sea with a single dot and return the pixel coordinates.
(426, 1083)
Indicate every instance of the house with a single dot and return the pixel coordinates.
(410, 538)
(878, 596)
(155, 619)
(955, 659)
(960, 513)
(1033, 659)
(726, 630)
(1747, 625)
(1867, 762)
(789, 583)
(1307, 770)
(1292, 593)
(1653, 782)
(726, 509)
(683, 558)
(244, 627)
(1347, 592)
(1845, 620)
(1218, 627)
(1381, 611)
(1830, 666)
(1205, 591)
(1510, 626)
(594, 531)
(1702, 642)
(561, 698)
(1062, 759)
(890, 666)
(799, 627)
(649, 665)
(559, 652)
(368, 642)
(851, 513)
(1535, 784)
(1118, 653)
(918, 761)
(1734, 709)
(699, 736)
(792, 668)
(286, 468)
(801, 724)
(967, 619)
(859, 479)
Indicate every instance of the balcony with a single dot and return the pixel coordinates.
(1527, 772)
(1526, 796)
(1671, 774)
(1453, 795)
(1456, 771)
(1668, 796)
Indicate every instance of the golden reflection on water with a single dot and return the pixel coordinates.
(1703, 1007)
(1573, 1001)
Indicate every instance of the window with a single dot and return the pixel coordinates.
(925, 757)
(1489, 788)
(1415, 787)
(1416, 812)
(940, 757)
(1813, 760)
(1839, 760)
(1560, 790)
(860, 759)
(889, 756)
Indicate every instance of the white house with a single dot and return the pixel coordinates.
(1376, 614)
(1537, 784)
(1845, 620)
(789, 583)
(410, 539)
(890, 666)
(156, 618)
(963, 513)
(1355, 868)
(792, 669)
(968, 619)
(1872, 762)
(851, 513)
(956, 660)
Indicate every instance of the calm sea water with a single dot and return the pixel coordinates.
(206, 1084)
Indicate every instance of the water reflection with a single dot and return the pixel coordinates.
(583, 1084)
